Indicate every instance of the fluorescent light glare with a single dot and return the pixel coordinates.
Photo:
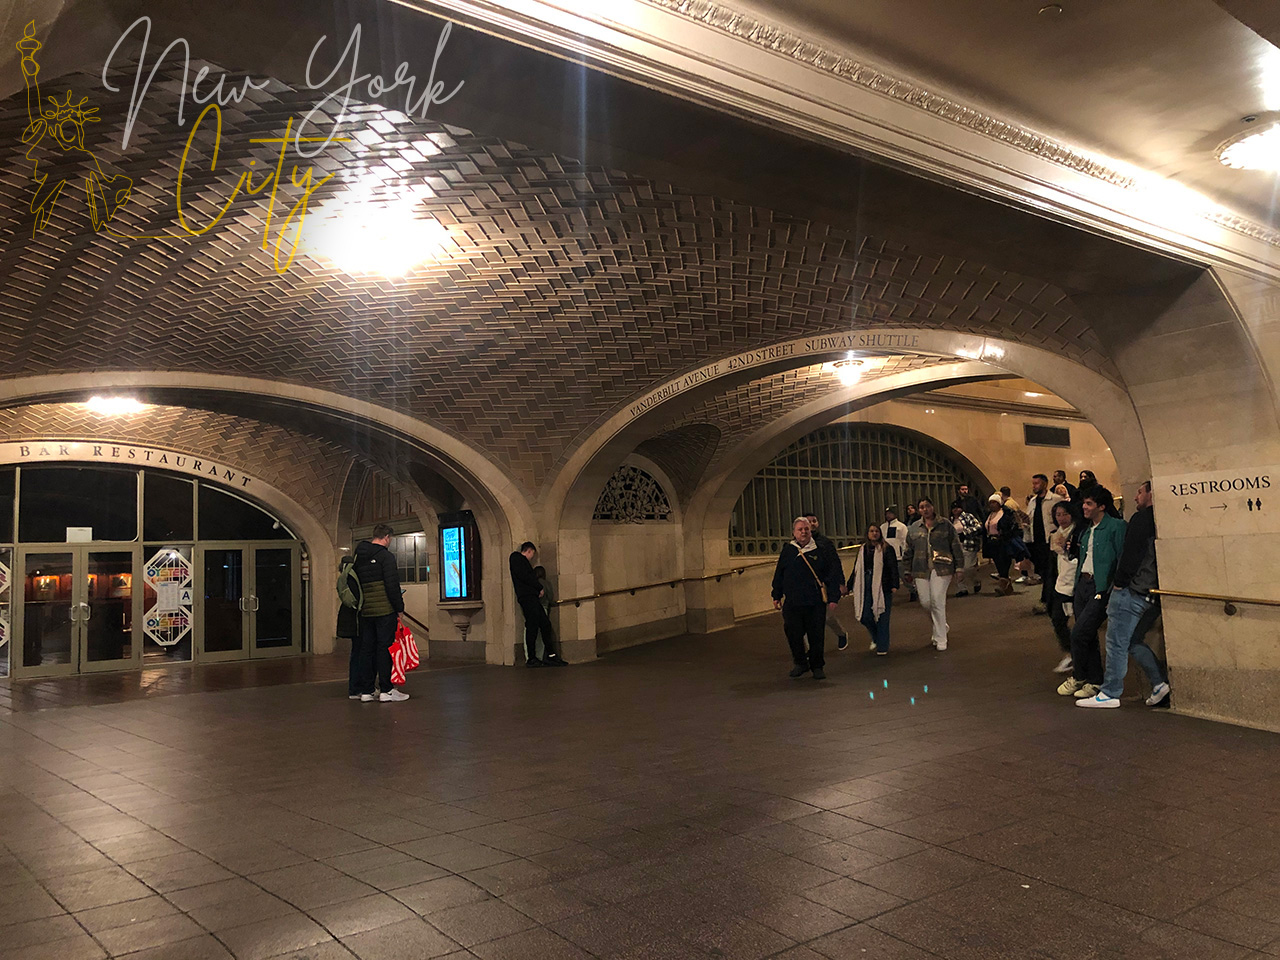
(376, 229)
(114, 406)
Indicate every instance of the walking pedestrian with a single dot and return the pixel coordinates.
(1040, 509)
(969, 530)
(872, 585)
(805, 587)
(932, 557)
(833, 557)
(1000, 530)
(1066, 515)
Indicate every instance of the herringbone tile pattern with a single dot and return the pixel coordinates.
(572, 288)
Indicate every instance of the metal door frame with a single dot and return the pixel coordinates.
(77, 663)
(250, 602)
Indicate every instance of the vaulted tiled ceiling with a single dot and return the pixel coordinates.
(572, 290)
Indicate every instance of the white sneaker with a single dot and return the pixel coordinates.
(1023, 579)
(1100, 700)
(395, 696)
(1159, 693)
(353, 696)
(368, 697)
(1064, 665)
(872, 648)
(940, 644)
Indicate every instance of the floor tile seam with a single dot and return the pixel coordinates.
(884, 933)
(1262, 949)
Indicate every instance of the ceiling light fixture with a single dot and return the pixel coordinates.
(114, 406)
(375, 228)
(848, 371)
(1255, 150)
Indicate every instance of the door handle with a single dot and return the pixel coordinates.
(243, 608)
(256, 604)
(88, 611)
(75, 613)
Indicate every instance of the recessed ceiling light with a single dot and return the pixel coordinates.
(848, 371)
(114, 406)
(1255, 150)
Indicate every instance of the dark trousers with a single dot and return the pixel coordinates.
(536, 621)
(799, 622)
(878, 629)
(371, 654)
(1046, 564)
(998, 552)
(1086, 655)
(1058, 617)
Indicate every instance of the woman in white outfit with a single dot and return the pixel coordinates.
(933, 555)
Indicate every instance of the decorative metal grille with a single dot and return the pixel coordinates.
(848, 473)
(632, 496)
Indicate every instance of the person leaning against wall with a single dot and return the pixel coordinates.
(1132, 610)
(529, 594)
(1101, 543)
(933, 555)
(806, 586)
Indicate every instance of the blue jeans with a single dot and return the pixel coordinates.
(1126, 611)
(878, 629)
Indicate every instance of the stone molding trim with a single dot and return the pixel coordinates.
(840, 64)
(837, 63)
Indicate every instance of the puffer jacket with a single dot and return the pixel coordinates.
(379, 579)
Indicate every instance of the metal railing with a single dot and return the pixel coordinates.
(732, 572)
(1228, 603)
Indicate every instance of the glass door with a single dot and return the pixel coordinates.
(223, 616)
(76, 611)
(275, 602)
(250, 601)
(105, 610)
(47, 614)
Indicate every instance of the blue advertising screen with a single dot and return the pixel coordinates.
(454, 562)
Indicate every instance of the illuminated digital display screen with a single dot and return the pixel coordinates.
(454, 561)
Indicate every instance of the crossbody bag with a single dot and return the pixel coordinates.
(822, 587)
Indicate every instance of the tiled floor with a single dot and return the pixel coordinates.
(680, 800)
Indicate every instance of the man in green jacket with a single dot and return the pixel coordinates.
(379, 614)
(1100, 547)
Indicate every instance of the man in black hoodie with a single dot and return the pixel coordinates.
(528, 594)
(379, 614)
(1132, 610)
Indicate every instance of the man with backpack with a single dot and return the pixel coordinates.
(382, 602)
(350, 599)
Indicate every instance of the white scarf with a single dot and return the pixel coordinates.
(877, 583)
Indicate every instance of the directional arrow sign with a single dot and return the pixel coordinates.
(1220, 507)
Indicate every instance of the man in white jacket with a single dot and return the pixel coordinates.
(894, 532)
(1040, 510)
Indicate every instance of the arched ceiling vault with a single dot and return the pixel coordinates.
(573, 286)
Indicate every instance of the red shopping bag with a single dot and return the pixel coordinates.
(404, 654)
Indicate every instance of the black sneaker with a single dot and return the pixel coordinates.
(555, 662)
(842, 641)
(962, 593)
(535, 662)
(799, 670)
(977, 588)
(818, 674)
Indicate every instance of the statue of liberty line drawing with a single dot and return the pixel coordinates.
(59, 125)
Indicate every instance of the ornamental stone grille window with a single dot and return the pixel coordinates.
(848, 473)
(632, 496)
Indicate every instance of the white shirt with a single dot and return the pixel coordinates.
(1087, 567)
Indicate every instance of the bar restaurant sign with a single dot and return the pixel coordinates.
(123, 454)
